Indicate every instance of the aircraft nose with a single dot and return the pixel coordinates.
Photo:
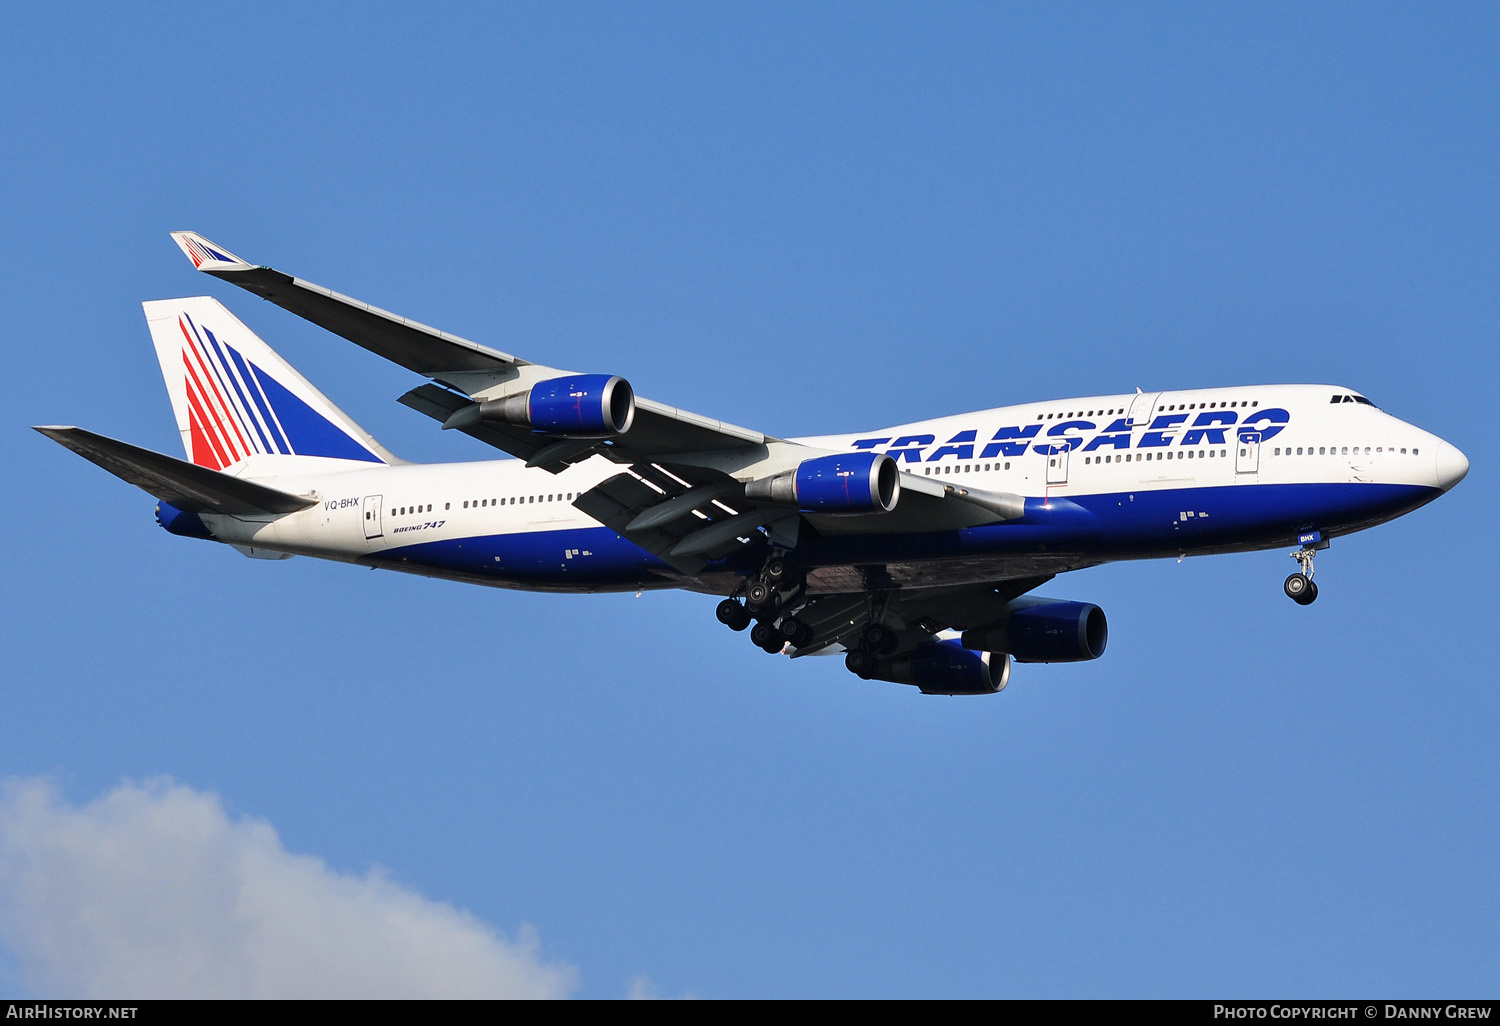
(1452, 465)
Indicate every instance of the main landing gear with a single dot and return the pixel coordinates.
(1299, 587)
(776, 587)
(875, 640)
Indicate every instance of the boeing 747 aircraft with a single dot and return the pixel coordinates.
(914, 549)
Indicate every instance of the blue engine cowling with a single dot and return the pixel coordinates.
(947, 668)
(1052, 632)
(582, 405)
(577, 406)
(860, 482)
(176, 521)
(864, 482)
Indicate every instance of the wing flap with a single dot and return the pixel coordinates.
(191, 488)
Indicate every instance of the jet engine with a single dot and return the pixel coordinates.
(176, 521)
(863, 482)
(578, 406)
(1045, 631)
(945, 668)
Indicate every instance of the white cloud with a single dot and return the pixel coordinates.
(154, 891)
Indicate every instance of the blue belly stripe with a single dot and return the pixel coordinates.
(1112, 525)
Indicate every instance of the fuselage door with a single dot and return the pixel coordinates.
(1057, 467)
(1141, 408)
(372, 516)
(1247, 455)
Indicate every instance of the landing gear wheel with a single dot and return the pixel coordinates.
(1300, 589)
(879, 638)
(767, 637)
(733, 615)
(860, 663)
(762, 599)
(796, 632)
(777, 571)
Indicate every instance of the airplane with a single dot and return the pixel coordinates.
(914, 550)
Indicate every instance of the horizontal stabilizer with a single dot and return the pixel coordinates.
(190, 488)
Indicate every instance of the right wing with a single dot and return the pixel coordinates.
(469, 370)
(681, 492)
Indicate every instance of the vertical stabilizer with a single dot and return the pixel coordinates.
(234, 397)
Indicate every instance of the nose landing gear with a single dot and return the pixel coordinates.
(1299, 587)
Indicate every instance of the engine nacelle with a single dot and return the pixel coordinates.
(862, 482)
(578, 406)
(947, 668)
(176, 521)
(1046, 632)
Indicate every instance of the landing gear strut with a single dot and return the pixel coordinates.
(1299, 587)
(875, 640)
(777, 586)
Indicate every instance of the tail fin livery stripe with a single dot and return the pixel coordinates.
(279, 439)
(201, 452)
(256, 409)
(217, 380)
(220, 411)
(234, 397)
(212, 430)
(308, 431)
(305, 430)
(225, 388)
(204, 425)
(200, 252)
(248, 415)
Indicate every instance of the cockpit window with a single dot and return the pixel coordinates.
(1344, 397)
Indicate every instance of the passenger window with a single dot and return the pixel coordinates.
(447, 505)
(1007, 466)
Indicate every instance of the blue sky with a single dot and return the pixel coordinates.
(806, 221)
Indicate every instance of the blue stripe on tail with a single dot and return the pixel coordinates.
(309, 432)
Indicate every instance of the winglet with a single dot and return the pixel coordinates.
(208, 256)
